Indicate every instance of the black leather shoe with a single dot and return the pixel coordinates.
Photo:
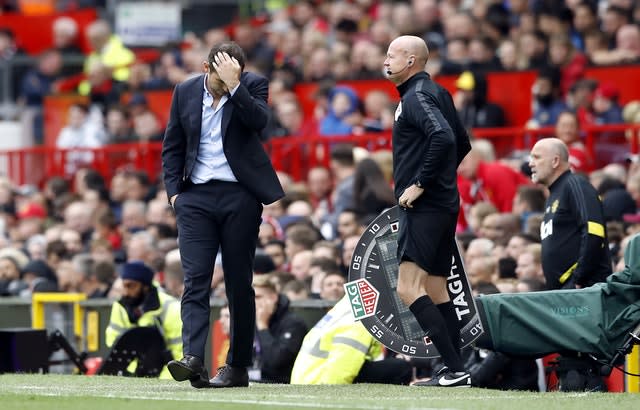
(189, 368)
(228, 376)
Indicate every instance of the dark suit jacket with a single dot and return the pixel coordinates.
(243, 118)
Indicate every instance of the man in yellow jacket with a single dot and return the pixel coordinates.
(108, 54)
(144, 305)
(339, 350)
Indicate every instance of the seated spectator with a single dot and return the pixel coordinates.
(296, 290)
(472, 105)
(457, 56)
(9, 49)
(321, 267)
(378, 111)
(332, 287)
(627, 48)
(65, 36)
(328, 250)
(518, 244)
(290, 120)
(476, 213)
(276, 250)
(547, 103)
(339, 350)
(481, 180)
(343, 112)
(606, 109)
(580, 98)
(529, 199)
(585, 19)
(320, 185)
(146, 124)
(371, 192)
(118, 125)
(37, 83)
(534, 46)
(570, 61)
(499, 227)
(107, 49)
(144, 305)
(482, 270)
(530, 263)
(12, 261)
(568, 130)
(81, 131)
(279, 334)
(511, 58)
(482, 55)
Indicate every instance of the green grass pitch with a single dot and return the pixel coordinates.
(52, 392)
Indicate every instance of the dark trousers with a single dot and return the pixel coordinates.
(209, 216)
(387, 371)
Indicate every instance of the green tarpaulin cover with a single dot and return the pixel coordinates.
(592, 320)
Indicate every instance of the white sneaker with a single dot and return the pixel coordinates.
(447, 378)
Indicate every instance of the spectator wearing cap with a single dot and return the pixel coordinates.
(472, 105)
(31, 217)
(343, 112)
(606, 109)
(144, 305)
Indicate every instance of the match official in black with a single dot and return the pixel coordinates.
(429, 143)
(575, 251)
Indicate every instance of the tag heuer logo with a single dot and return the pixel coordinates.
(363, 298)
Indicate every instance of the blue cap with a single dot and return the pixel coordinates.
(137, 271)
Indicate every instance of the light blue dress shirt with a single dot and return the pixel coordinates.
(211, 163)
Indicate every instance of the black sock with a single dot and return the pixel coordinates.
(432, 322)
(451, 320)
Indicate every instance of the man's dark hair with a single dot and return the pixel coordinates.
(230, 48)
(343, 154)
(326, 265)
(57, 248)
(533, 196)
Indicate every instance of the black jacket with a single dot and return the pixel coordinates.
(574, 240)
(243, 118)
(278, 346)
(429, 142)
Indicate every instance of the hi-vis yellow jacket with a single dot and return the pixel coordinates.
(166, 318)
(335, 349)
(114, 55)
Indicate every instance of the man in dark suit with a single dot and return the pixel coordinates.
(217, 176)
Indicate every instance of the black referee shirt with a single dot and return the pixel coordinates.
(429, 142)
(574, 241)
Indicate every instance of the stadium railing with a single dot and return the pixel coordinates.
(295, 155)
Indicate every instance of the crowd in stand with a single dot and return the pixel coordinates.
(74, 235)
(328, 42)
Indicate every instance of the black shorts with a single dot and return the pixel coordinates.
(427, 239)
